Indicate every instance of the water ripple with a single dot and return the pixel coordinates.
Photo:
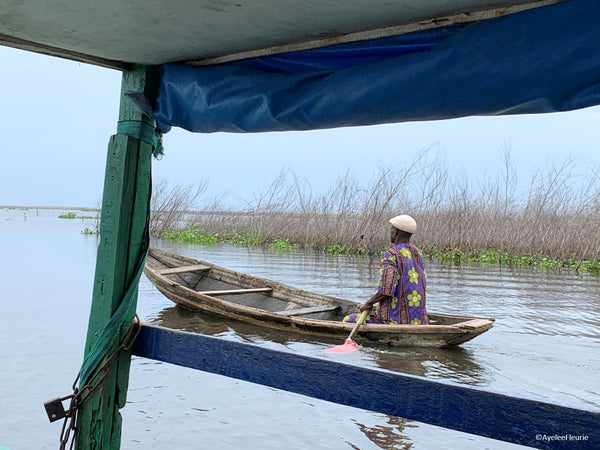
(544, 340)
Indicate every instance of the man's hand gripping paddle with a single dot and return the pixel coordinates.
(349, 345)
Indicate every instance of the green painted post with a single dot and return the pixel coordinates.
(127, 187)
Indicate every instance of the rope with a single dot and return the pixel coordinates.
(144, 132)
(110, 334)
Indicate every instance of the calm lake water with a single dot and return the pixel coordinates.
(544, 345)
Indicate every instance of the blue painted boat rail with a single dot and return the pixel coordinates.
(466, 409)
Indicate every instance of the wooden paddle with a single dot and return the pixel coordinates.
(349, 345)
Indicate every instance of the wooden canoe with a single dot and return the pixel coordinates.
(206, 287)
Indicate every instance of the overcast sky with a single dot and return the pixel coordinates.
(57, 117)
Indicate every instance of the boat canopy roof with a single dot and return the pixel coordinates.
(151, 32)
(271, 65)
(533, 61)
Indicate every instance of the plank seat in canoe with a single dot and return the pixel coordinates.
(183, 269)
(235, 291)
(309, 310)
(473, 324)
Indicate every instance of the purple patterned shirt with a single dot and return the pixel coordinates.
(402, 277)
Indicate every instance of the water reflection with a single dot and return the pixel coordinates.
(389, 436)
(455, 364)
(544, 343)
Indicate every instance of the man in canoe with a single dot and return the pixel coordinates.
(402, 281)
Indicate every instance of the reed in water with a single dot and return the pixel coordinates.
(554, 224)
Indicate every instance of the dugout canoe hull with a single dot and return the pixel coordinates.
(203, 286)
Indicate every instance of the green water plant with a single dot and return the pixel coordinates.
(451, 255)
(192, 235)
(283, 245)
(334, 249)
(248, 239)
(68, 215)
(491, 256)
(337, 249)
(592, 267)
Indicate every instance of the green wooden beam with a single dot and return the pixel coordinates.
(127, 187)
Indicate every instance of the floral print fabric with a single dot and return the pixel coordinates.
(402, 277)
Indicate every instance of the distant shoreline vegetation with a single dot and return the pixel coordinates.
(554, 225)
(70, 215)
(455, 256)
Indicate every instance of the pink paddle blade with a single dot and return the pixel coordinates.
(348, 346)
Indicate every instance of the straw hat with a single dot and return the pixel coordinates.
(405, 223)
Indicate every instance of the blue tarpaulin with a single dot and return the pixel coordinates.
(541, 60)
